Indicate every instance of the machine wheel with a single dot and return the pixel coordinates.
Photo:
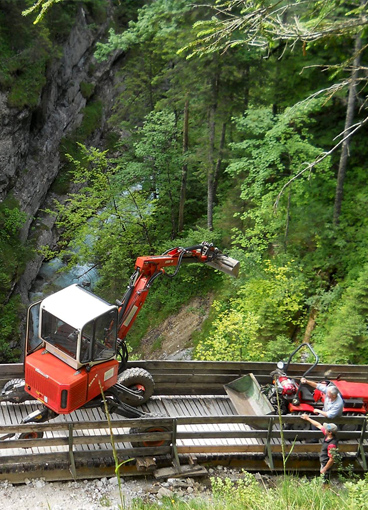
(136, 379)
(350, 428)
(161, 442)
(9, 385)
(30, 435)
(305, 425)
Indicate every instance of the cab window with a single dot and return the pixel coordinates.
(98, 340)
(59, 334)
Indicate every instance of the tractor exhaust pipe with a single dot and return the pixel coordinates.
(225, 264)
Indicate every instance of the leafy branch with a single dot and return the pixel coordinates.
(42, 6)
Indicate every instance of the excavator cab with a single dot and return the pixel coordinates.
(71, 348)
(74, 325)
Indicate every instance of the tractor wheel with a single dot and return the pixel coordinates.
(143, 443)
(136, 379)
(348, 427)
(305, 425)
(9, 385)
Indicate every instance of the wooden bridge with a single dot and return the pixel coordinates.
(194, 424)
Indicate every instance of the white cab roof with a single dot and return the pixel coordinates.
(75, 306)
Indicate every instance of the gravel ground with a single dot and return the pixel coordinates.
(37, 494)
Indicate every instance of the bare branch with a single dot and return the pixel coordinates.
(321, 157)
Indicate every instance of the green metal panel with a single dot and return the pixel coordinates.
(247, 398)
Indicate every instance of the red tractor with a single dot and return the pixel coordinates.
(75, 343)
(297, 398)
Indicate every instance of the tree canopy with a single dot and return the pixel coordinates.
(242, 123)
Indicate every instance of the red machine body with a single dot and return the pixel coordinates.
(287, 385)
(62, 388)
(355, 396)
(296, 398)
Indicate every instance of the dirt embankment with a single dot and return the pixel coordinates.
(173, 338)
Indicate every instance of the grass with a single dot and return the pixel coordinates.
(157, 344)
(287, 493)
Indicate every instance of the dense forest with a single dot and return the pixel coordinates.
(242, 123)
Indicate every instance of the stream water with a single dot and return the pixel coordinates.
(50, 274)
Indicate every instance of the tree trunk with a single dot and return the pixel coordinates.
(287, 222)
(219, 159)
(184, 171)
(142, 223)
(210, 176)
(246, 73)
(348, 124)
(310, 326)
(211, 149)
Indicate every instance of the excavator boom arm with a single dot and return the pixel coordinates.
(148, 268)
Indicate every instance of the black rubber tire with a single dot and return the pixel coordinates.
(134, 378)
(300, 426)
(30, 435)
(10, 384)
(142, 444)
(350, 428)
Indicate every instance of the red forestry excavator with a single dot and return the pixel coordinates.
(75, 348)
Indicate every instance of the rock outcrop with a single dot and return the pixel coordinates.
(30, 139)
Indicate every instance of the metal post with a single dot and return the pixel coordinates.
(268, 445)
(361, 447)
(72, 468)
(174, 450)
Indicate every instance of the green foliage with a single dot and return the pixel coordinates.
(246, 492)
(70, 145)
(283, 493)
(295, 265)
(9, 328)
(152, 21)
(87, 89)
(273, 151)
(289, 492)
(13, 258)
(358, 493)
(344, 335)
(266, 309)
(25, 52)
(43, 6)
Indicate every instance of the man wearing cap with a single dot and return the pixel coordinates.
(329, 446)
(333, 404)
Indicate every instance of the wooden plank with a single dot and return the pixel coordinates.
(199, 447)
(215, 432)
(240, 367)
(15, 370)
(244, 448)
(85, 456)
(184, 420)
(184, 471)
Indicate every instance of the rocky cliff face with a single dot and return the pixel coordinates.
(30, 139)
